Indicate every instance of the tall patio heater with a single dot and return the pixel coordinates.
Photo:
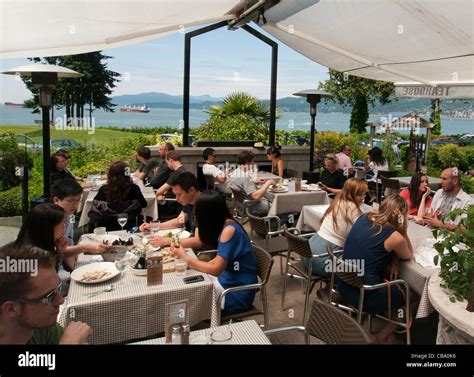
(313, 97)
(44, 77)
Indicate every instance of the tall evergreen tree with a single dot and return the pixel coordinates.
(435, 116)
(357, 92)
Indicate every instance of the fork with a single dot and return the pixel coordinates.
(106, 289)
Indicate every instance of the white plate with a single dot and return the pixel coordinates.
(183, 234)
(279, 190)
(78, 274)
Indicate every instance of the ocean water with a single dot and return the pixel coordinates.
(173, 117)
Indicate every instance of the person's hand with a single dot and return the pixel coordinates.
(394, 268)
(76, 333)
(160, 198)
(95, 248)
(271, 182)
(433, 221)
(61, 244)
(427, 192)
(145, 227)
(159, 241)
(322, 186)
(419, 220)
(181, 218)
(178, 252)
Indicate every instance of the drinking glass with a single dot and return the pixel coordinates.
(122, 219)
(155, 227)
(222, 335)
(181, 267)
(122, 262)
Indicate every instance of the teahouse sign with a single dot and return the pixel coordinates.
(434, 91)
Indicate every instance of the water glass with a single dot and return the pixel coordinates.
(155, 227)
(181, 267)
(101, 231)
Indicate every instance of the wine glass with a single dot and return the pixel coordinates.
(122, 219)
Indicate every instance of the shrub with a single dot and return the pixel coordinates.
(453, 155)
(238, 127)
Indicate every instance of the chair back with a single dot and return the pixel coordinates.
(345, 270)
(297, 244)
(210, 184)
(264, 263)
(290, 173)
(392, 184)
(387, 173)
(239, 196)
(331, 325)
(258, 225)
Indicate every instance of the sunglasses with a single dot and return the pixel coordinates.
(47, 299)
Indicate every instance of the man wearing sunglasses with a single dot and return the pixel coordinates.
(30, 300)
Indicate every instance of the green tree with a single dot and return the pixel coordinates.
(92, 89)
(357, 92)
(435, 116)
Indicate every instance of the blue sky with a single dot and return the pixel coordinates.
(222, 61)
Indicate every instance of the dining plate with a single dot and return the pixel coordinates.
(182, 233)
(285, 189)
(95, 273)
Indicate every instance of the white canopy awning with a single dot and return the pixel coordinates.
(412, 42)
(416, 41)
(65, 27)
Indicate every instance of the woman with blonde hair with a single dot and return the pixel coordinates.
(378, 241)
(337, 223)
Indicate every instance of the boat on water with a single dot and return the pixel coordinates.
(135, 109)
(15, 105)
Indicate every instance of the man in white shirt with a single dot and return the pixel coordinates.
(344, 158)
(448, 198)
(220, 177)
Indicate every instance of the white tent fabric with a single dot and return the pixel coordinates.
(409, 42)
(416, 42)
(65, 27)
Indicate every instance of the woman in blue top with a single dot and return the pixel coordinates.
(378, 240)
(235, 263)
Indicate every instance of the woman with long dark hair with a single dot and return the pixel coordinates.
(44, 228)
(120, 194)
(235, 263)
(274, 155)
(418, 196)
(375, 161)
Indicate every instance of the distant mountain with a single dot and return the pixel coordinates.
(159, 98)
(450, 108)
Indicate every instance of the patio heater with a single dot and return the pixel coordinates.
(44, 77)
(313, 97)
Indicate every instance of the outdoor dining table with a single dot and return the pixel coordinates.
(294, 201)
(456, 324)
(246, 332)
(411, 271)
(151, 209)
(267, 175)
(134, 310)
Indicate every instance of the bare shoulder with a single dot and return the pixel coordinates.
(395, 241)
(227, 233)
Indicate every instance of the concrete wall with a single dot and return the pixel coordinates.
(295, 157)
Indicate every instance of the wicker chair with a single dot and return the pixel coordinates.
(390, 186)
(241, 203)
(210, 184)
(262, 234)
(349, 275)
(299, 244)
(264, 267)
(329, 324)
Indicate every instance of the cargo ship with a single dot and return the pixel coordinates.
(135, 109)
(15, 105)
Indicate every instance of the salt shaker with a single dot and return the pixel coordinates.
(186, 332)
(176, 335)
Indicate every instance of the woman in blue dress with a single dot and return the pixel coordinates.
(235, 263)
(377, 241)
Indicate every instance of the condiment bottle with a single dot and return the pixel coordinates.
(176, 335)
(186, 332)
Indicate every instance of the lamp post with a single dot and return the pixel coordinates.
(44, 77)
(313, 97)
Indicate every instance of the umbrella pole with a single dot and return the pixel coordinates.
(46, 152)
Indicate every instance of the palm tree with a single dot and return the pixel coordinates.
(241, 103)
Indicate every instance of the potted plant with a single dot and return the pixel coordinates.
(456, 261)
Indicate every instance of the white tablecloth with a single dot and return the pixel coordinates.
(294, 202)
